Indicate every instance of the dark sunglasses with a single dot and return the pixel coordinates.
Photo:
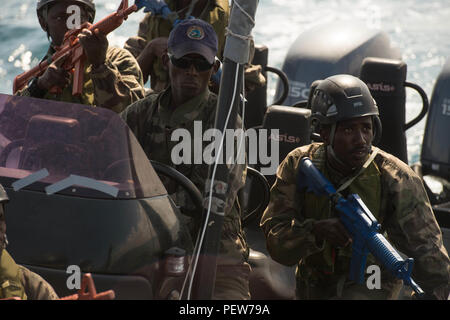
(185, 62)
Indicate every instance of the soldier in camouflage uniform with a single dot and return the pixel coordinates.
(151, 41)
(191, 50)
(16, 281)
(112, 78)
(302, 228)
(150, 44)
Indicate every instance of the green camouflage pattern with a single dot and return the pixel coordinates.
(403, 210)
(10, 278)
(217, 13)
(152, 122)
(114, 85)
(36, 288)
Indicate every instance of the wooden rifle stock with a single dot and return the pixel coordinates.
(73, 51)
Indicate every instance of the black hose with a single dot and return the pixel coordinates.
(265, 196)
(425, 105)
(285, 82)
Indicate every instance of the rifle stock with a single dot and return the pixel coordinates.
(361, 225)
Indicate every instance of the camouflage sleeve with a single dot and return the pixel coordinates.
(413, 229)
(137, 114)
(136, 44)
(36, 287)
(219, 18)
(118, 82)
(288, 234)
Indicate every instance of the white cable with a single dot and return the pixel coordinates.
(199, 241)
(188, 272)
(241, 145)
(240, 148)
(197, 255)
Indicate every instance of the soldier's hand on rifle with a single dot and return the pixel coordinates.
(156, 48)
(95, 45)
(333, 231)
(54, 75)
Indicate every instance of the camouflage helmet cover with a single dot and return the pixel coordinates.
(340, 97)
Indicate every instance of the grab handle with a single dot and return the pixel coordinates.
(425, 105)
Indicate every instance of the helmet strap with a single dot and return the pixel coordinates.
(330, 149)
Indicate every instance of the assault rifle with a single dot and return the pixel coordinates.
(362, 227)
(72, 51)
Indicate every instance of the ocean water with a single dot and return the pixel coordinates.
(420, 29)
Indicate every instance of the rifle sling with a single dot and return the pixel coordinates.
(364, 167)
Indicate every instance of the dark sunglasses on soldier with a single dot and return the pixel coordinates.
(200, 64)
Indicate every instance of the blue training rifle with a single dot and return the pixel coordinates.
(362, 227)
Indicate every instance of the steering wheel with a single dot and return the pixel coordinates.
(192, 190)
(7, 150)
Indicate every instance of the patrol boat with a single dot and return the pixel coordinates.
(106, 211)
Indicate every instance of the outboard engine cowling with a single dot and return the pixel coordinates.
(435, 155)
(331, 49)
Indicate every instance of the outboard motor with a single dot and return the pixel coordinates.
(435, 155)
(331, 49)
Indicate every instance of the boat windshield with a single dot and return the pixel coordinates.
(71, 149)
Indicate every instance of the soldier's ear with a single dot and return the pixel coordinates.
(165, 61)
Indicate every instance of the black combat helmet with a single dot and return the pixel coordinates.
(89, 4)
(342, 97)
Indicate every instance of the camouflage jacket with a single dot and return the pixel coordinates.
(153, 121)
(403, 210)
(10, 278)
(216, 13)
(113, 85)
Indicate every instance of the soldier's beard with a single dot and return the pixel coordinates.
(339, 164)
